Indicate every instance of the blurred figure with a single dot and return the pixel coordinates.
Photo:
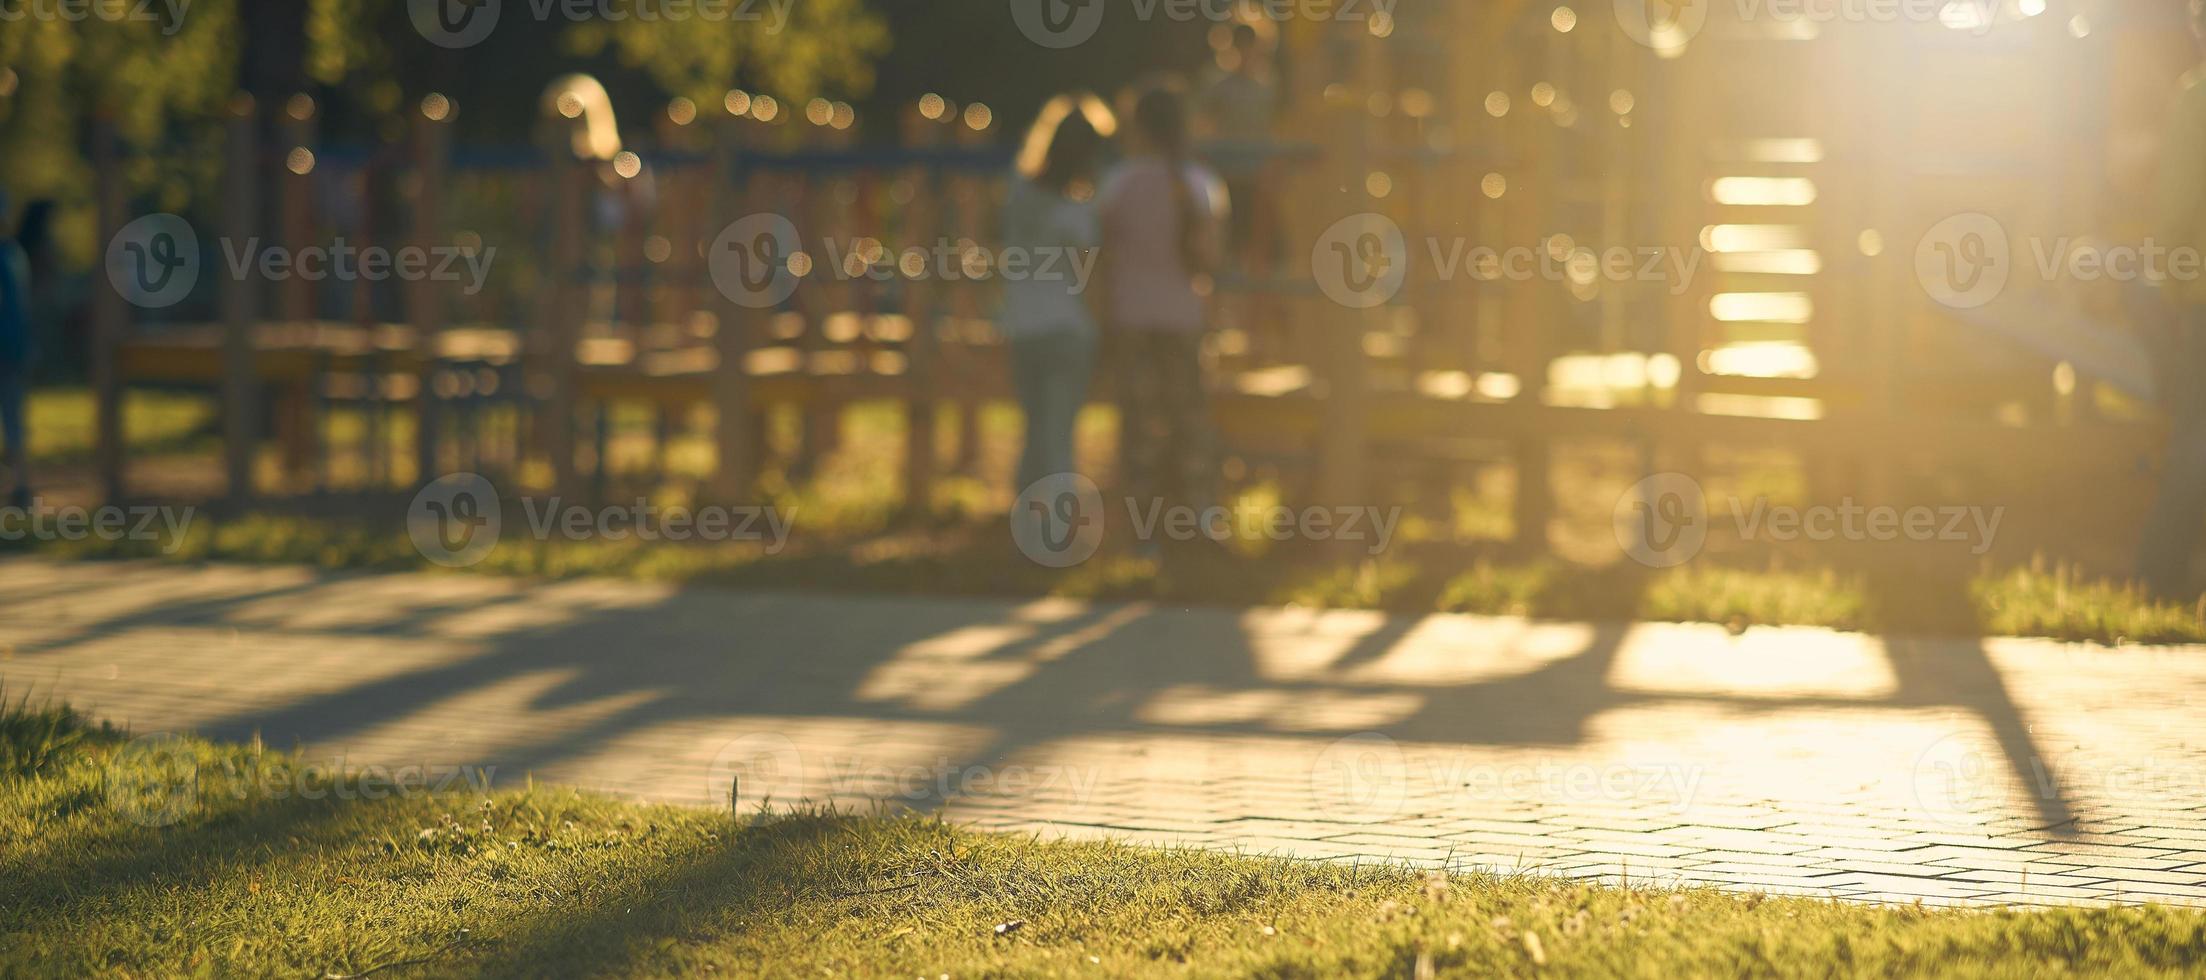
(1240, 103)
(56, 296)
(1161, 217)
(15, 362)
(2179, 206)
(1050, 209)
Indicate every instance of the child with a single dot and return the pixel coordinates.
(1162, 213)
(15, 362)
(1050, 208)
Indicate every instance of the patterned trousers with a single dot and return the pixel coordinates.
(1167, 443)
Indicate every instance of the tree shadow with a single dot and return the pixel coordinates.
(1028, 676)
(221, 834)
(1958, 672)
(671, 902)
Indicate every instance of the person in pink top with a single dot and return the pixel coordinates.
(1162, 214)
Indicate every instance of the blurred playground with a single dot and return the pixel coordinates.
(1609, 252)
(1752, 446)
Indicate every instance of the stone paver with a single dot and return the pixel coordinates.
(1793, 760)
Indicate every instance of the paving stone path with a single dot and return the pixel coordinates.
(1951, 771)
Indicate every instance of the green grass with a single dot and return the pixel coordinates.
(856, 535)
(973, 557)
(33, 738)
(62, 423)
(2058, 601)
(256, 878)
(1690, 593)
(1739, 597)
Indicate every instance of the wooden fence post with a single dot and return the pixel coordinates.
(1342, 448)
(571, 181)
(1530, 314)
(110, 320)
(432, 167)
(297, 421)
(240, 300)
(922, 225)
(824, 219)
(972, 220)
(735, 451)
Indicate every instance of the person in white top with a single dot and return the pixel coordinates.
(1050, 213)
(1162, 215)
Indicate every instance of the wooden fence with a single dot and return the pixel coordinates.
(1784, 179)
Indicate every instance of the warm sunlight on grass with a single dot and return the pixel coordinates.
(61, 422)
(270, 870)
(972, 558)
(857, 536)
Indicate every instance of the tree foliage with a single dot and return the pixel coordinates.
(791, 50)
(151, 77)
(164, 80)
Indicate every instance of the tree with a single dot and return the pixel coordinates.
(164, 74)
(152, 76)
